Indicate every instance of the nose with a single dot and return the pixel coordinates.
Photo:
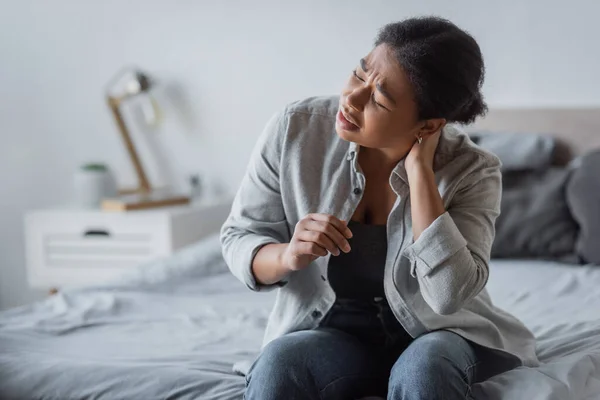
(358, 98)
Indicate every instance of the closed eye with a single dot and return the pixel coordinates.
(376, 103)
(373, 95)
(358, 77)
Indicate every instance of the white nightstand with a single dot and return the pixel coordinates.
(70, 247)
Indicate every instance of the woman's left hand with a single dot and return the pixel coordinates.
(421, 155)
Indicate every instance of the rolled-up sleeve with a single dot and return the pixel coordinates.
(257, 216)
(450, 258)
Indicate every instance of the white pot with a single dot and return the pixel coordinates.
(91, 186)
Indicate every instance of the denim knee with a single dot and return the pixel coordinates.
(276, 358)
(433, 366)
(279, 371)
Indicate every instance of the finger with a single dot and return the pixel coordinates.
(311, 248)
(432, 138)
(321, 239)
(340, 225)
(332, 232)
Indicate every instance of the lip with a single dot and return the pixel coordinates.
(347, 123)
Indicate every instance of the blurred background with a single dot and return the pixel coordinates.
(222, 69)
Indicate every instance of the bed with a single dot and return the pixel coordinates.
(173, 328)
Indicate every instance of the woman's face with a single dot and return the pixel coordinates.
(377, 107)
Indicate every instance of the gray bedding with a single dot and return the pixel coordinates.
(174, 328)
(583, 195)
(535, 219)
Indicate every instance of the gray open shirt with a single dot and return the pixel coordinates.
(301, 166)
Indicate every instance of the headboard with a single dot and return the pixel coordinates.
(578, 129)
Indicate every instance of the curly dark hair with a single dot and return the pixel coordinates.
(444, 65)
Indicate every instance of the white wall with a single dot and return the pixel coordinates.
(225, 67)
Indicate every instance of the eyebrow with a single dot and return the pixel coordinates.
(381, 89)
(363, 65)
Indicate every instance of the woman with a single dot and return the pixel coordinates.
(374, 219)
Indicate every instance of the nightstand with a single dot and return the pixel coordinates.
(71, 247)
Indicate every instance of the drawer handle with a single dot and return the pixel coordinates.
(96, 232)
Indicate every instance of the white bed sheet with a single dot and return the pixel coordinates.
(174, 328)
(561, 305)
(126, 344)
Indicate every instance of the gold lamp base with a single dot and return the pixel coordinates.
(143, 197)
(141, 201)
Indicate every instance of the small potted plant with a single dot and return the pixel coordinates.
(93, 182)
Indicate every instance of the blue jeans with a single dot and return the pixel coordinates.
(361, 350)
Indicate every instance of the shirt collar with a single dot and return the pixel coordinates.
(399, 170)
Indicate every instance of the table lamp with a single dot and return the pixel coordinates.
(128, 84)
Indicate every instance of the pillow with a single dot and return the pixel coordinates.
(583, 197)
(195, 261)
(518, 151)
(535, 220)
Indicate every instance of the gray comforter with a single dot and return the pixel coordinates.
(174, 328)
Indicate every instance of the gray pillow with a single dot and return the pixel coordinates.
(535, 221)
(583, 196)
(518, 151)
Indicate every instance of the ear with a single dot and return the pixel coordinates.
(431, 126)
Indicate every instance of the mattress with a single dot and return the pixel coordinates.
(174, 329)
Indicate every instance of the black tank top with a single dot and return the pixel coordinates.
(359, 273)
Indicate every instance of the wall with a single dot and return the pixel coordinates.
(224, 68)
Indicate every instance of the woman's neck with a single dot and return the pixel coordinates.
(380, 160)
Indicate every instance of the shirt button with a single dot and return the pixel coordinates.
(357, 191)
(316, 314)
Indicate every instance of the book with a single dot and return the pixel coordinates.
(141, 201)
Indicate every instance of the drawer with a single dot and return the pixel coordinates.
(67, 247)
(82, 247)
(96, 248)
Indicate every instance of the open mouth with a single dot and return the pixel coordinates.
(345, 122)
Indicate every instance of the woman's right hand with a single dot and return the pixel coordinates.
(315, 236)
